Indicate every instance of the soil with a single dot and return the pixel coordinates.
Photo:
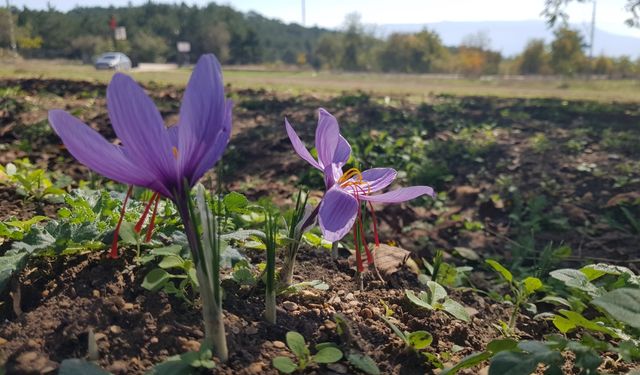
(61, 299)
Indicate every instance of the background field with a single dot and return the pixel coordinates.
(413, 87)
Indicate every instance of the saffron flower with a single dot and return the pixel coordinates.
(166, 160)
(341, 205)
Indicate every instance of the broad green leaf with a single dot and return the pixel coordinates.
(363, 363)
(564, 325)
(171, 261)
(296, 343)
(500, 269)
(10, 264)
(623, 304)
(166, 250)
(284, 365)
(531, 284)
(467, 253)
(155, 279)
(555, 300)
(576, 279)
(468, 362)
(438, 293)
(418, 300)
(580, 321)
(499, 345)
(235, 201)
(127, 233)
(595, 271)
(455, 309)
(80, 367)
(328, 355)
(419, 339)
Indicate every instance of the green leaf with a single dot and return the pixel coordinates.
(127, 233)
(166, 250)
(10, 264)
(171, 261)
(363, 363)
(580, 321)
(564, 325)
(468, 362)
(437, 292)
(499, 345)
(80, 367)
(419, 301)
(296, 343)
(531, 284)
(284, 365)
(576, 279)
(595, 271)
(500, 269)
(455, 309)
(235, 201)
(155, 279)
(328, 355)
(419, 339)
(395, 329)
(623, 304)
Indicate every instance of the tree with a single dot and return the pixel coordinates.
(567, 55)
(148, 47)
(534, 59)
(215, 38)
(603, 65)
(411, 53)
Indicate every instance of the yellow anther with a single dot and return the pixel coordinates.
(174, 149)
(353, 172)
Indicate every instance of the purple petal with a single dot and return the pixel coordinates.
(378, 178)
(332, 174)
(337, 214)
(202, 114)
(343, 152)
(327, 136)
(92, 150)
(299, 146)
(400, 195)
(139, 126)
(217, 149)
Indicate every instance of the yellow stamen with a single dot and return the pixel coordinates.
(353, 172)
(174, 149)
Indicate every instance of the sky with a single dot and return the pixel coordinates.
(331, 13)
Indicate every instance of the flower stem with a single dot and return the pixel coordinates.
(271, 230)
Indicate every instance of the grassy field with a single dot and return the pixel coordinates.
(415, 87)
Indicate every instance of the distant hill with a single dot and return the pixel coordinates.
(510, 37)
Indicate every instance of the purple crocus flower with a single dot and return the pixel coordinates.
(167, 160)
(340, 206)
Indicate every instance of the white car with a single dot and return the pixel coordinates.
(113, 60)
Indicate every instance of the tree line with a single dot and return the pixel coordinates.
(249, 38)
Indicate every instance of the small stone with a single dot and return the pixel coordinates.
(191, 345)
(290, 305)
(338, 368)
(99, 336)
(45, 293)
(3, 341)
(154, 340)
(118, 367)
(96, 293)
(279, 345)
(115, 329)
(255, 368)
(128, 306)
(366, 313)
(349, 297)
(341, 292)
(330, 325)
(251, 330)
(354, 303)
(471, 311)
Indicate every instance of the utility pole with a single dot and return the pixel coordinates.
(304, 15)
(12, 34)
(593, 30)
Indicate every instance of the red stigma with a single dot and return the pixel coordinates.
(152, 223)
(138, 227)
(114, 244)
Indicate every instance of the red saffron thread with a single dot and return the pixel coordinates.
(138, 227)
(114, 244)
(152, 223)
